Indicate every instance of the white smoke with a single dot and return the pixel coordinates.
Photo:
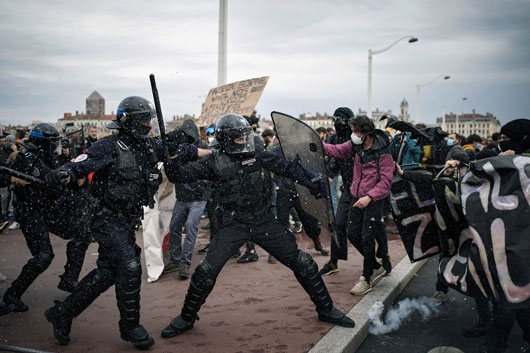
(399, 313)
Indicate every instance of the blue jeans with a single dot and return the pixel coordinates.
(188, 213)
(333, 187)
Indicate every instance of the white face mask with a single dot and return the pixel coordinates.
(357, 140)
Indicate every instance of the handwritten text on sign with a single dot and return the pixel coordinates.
(238, 97)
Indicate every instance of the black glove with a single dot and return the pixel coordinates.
(316, 191)
(57, 177)
(174, 139)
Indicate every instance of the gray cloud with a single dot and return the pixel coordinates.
(55, 53)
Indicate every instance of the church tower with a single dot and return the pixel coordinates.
(404, 111)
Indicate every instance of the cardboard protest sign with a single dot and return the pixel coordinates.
(238, 97)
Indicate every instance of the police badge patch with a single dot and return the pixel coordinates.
(80, 158)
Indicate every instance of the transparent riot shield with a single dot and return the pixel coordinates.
(299, 141)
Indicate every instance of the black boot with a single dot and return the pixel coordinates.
(477, 330)
(138, 336)
(201, 284)
(67, 284)
(176, 327)
(6, 308)
(61, 321)
(335, 316)
(12, 300)
(306, 272)
(128, 282)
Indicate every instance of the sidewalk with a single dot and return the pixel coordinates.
(256, 307)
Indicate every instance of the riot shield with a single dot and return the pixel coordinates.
(413, 210)
(493, 257)
(300, 141)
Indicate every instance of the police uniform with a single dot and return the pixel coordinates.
(39, 212)
(244, 186)
(125, 179)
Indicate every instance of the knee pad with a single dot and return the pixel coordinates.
(305, 265)
(43, 260)
(204, 274)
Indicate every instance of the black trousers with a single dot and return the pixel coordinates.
(118, 263)
(284, 202)
(504, 316)
(364, 227)
(36, 226)
(340, 251)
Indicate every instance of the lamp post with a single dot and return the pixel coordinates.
(443, 113)
(221, 59)
(418, 88)
(371, 53)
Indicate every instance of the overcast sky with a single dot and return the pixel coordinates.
(55, 53)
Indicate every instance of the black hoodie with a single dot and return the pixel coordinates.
(199, 190)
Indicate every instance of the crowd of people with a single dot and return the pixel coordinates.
(242, 182)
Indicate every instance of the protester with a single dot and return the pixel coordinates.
(190, 202)
(343, 167)
(372, 178)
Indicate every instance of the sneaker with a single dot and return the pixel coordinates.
(171, 267)
(319, 247)
(377, 275)
(3, 226)
(362, 287)
(248, 257)
(271, 259)
(183, 273)
(204, 250)
(329, 269)
(440, 297)
(297, 227)
(14, 225)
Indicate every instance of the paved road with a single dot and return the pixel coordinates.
(417, 336)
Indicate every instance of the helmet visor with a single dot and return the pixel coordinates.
(240, 141)
(56, 147)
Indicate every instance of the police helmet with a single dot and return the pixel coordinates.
(134, 115)
(235, 135)
(44, 137)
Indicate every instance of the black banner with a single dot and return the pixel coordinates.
(493, 257)
(413, 211)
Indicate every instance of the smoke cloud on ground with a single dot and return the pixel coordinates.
(399, 313)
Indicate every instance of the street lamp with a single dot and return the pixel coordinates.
(443, 114)
(371, 53)
(418, 87)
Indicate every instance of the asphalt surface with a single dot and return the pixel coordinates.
(418, 336)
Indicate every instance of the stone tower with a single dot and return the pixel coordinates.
(95, 105)
(404, 111)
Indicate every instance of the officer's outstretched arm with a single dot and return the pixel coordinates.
(292, 170)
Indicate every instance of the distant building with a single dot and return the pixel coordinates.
(316, 121)
(95, 116)
(95, 105)
(376, 116)
(467, 124)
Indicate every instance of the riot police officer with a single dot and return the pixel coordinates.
(125, 179)
(38, 214)
(241, 172)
